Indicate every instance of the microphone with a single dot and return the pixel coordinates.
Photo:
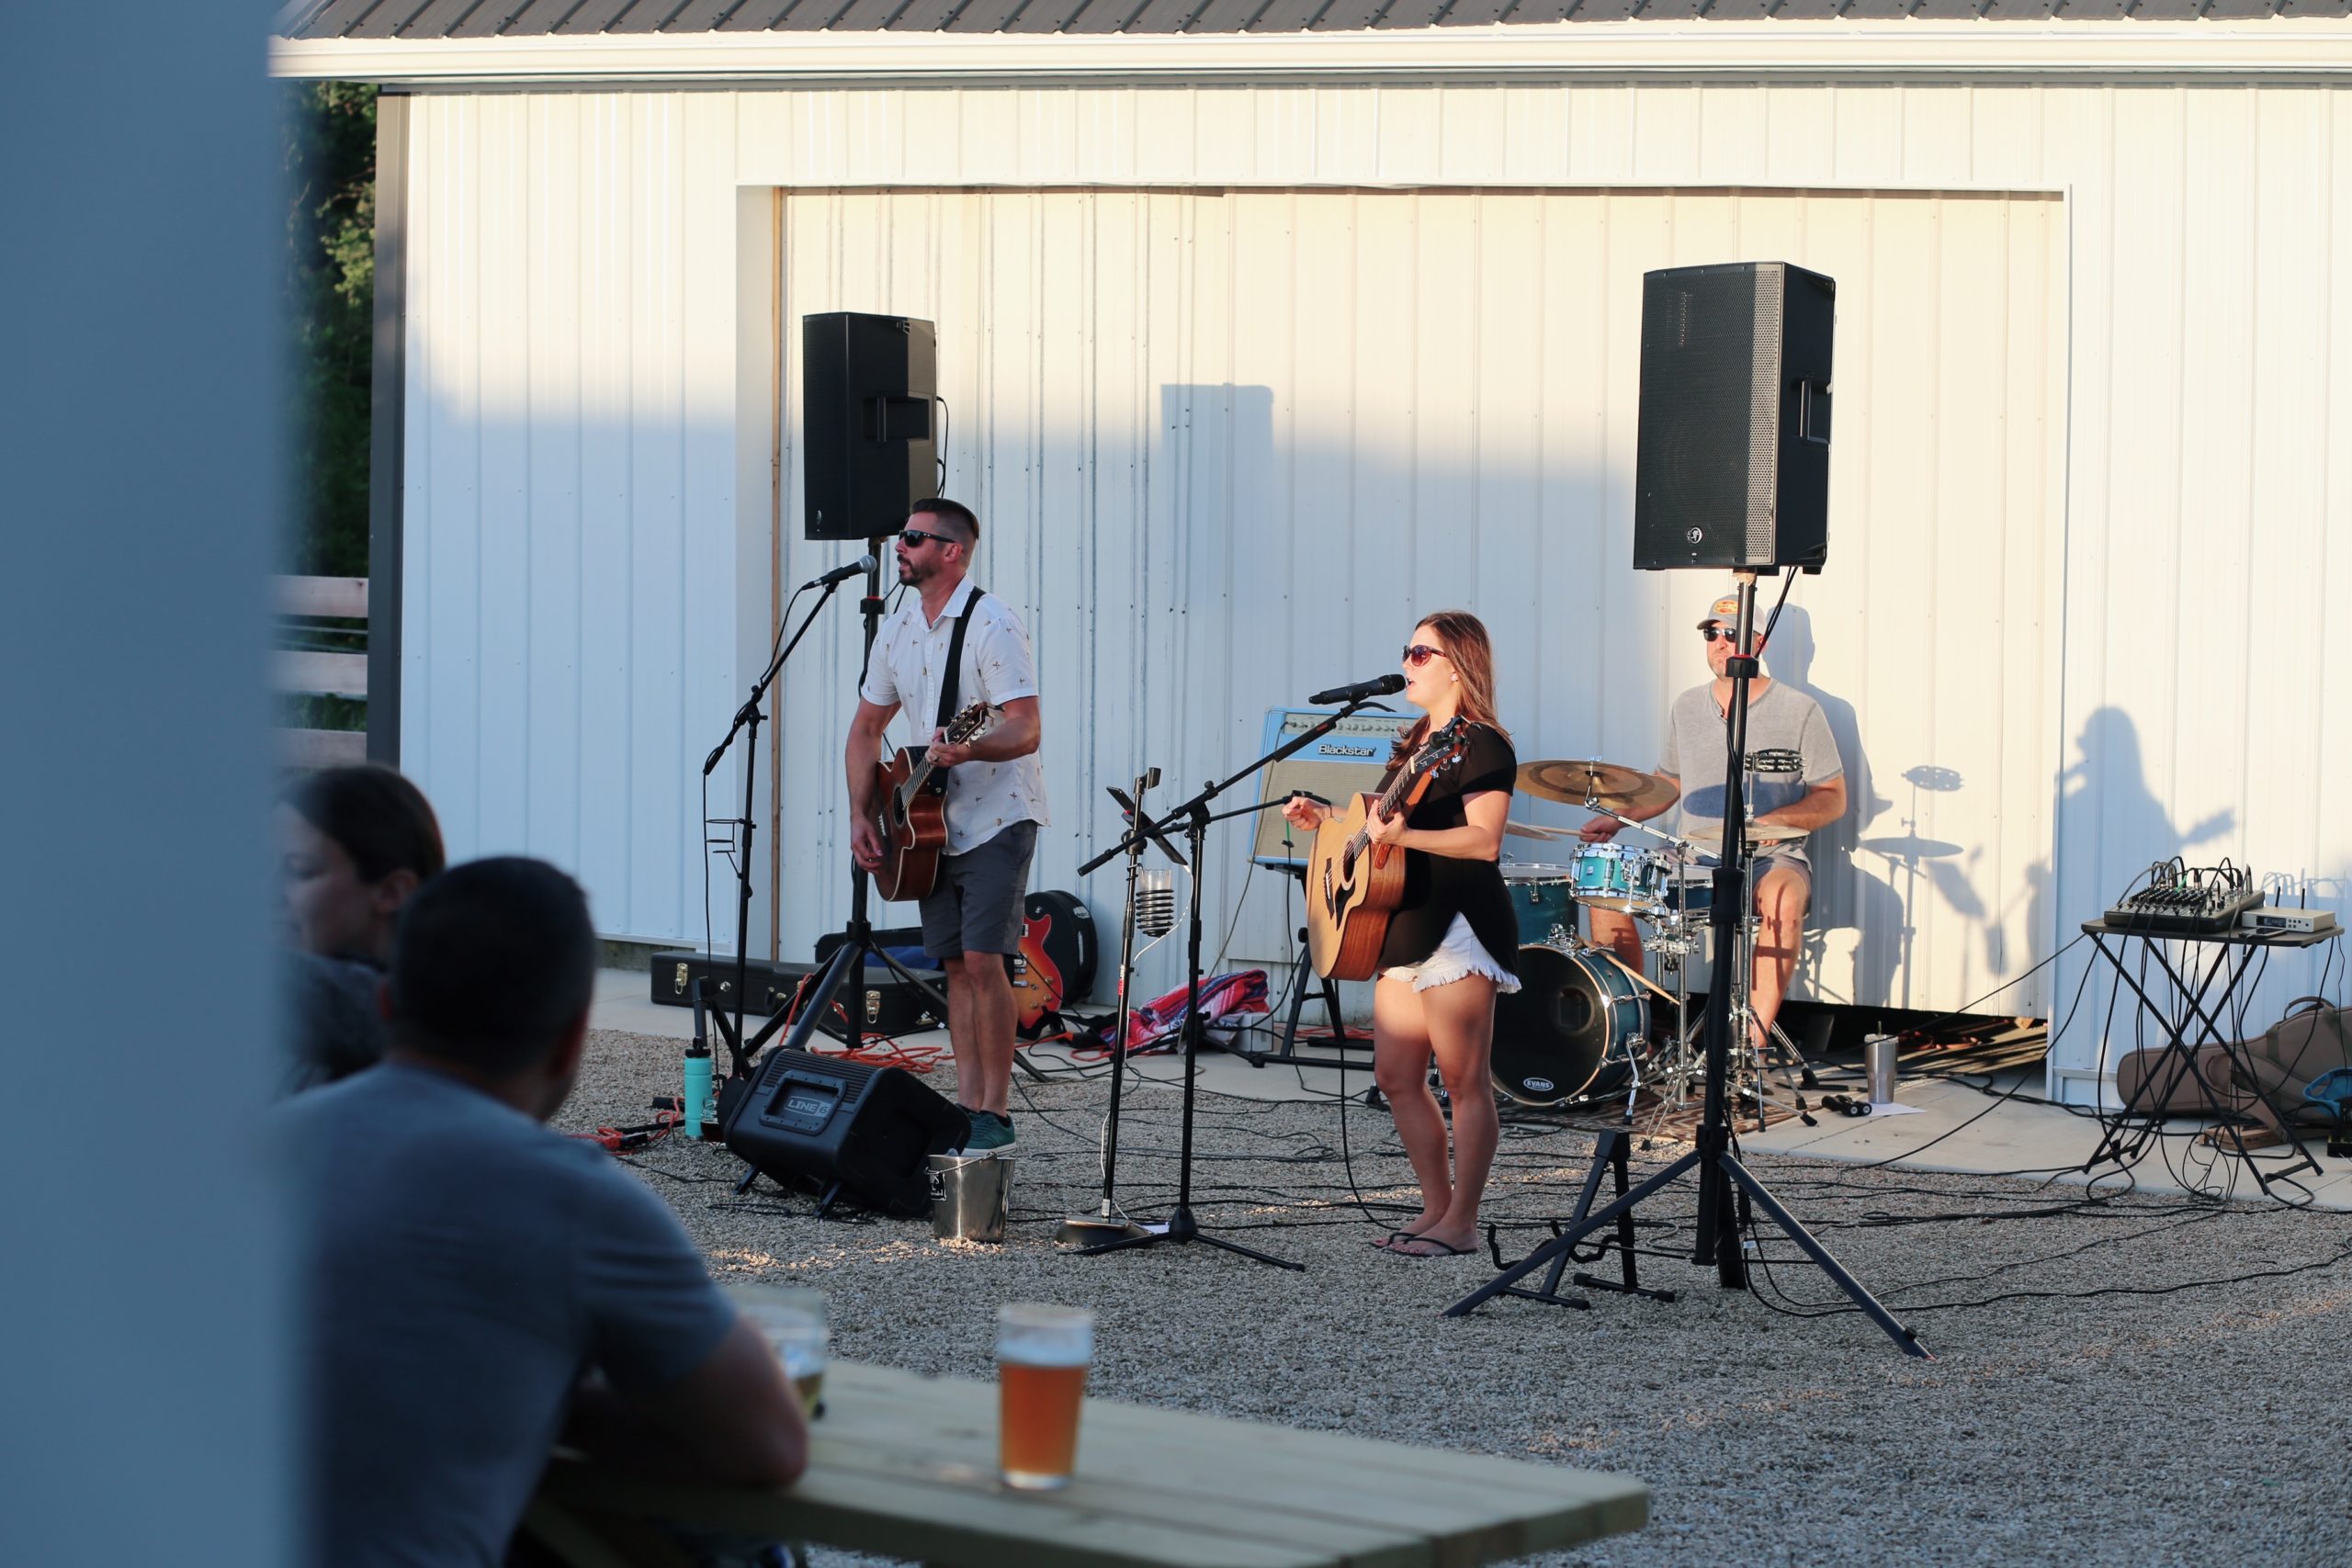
(1155, 902)
(857, 568)
(1384, 686)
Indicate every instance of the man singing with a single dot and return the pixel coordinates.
(996, 790)
(1779, 719)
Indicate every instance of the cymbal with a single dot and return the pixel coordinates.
(1537, 831)
(1611, 785)
(1757, 833)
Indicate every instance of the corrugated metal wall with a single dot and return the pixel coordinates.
(2093, 457)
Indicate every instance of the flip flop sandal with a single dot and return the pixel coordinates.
(1443, 1249)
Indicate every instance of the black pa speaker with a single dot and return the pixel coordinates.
(1732, 463)
(842, 1129)
(866, 404)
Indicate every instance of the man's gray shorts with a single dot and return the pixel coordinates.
(976, 905)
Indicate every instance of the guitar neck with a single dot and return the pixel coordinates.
(1406, 785)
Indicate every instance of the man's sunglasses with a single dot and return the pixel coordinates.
(915, 537)
(1417, 654)
(1712, 634)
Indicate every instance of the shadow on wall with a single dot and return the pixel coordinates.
(1847, 897)
(2110, 824)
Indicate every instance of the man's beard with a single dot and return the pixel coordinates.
(913, 574)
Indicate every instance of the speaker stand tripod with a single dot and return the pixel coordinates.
(1726, 1187)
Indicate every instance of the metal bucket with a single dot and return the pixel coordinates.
(970, 1196)
(1878, 1068)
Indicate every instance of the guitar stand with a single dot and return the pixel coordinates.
(1608, 1157)
(1339, 1038)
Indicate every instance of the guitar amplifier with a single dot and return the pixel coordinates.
(1345, 763)
(842, 1129)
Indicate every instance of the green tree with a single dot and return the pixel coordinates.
(329, 291)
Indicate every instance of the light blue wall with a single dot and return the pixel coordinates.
(143, 1323)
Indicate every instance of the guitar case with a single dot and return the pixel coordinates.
(1059, 954)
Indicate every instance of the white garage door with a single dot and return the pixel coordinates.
(1227, 445)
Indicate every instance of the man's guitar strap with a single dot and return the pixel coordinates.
(948, 692)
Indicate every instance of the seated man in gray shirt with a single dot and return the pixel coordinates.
(1790, 727)
(477, 1285)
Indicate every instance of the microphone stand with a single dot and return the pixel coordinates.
(1725, 1186)
(1183, 1225)
(1079, 1230)
(749, 718)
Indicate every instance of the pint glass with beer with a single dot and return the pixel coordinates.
(791, 1318)
(1041, 1358)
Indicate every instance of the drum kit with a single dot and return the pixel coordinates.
(1578, 1028)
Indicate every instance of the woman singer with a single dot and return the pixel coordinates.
(1453, 944)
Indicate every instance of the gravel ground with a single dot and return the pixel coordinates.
(2198, 1426)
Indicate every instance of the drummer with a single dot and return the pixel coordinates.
(1779, 718)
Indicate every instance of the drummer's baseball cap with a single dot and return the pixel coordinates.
(1724, 610)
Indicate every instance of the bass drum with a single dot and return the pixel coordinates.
(1574, 1028)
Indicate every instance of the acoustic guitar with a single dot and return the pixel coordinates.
(1353, 886)
(913, 814)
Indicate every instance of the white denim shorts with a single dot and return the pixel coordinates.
(1460, 953)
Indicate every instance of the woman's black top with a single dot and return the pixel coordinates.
(1438, 887)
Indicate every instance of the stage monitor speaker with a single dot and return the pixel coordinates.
(868, 452)
(842, 1129)
(1732, 459)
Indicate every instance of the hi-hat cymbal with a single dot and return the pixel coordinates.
(1756, 833)
(1612, 784)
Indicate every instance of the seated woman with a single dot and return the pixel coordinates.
(356, 843)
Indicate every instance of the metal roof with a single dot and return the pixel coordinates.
(409, 19)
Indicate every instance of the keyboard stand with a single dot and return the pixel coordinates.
(2123, 1142)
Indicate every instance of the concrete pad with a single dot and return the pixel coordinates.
(1958, 1130)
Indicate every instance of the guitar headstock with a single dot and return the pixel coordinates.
(975, 720)
(1444, 747)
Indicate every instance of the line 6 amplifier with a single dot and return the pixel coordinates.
(842, 1129)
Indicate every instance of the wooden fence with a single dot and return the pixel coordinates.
(305, 607)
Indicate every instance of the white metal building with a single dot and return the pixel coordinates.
(1265, 331)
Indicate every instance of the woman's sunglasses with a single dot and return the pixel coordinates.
(1417, 654)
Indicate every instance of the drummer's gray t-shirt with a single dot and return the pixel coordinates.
(463, 1266)
(1779, 718)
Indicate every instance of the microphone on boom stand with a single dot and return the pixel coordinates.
(857, 568)
(1379, 686)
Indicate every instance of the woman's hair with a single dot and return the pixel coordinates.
(1472, 654)
(382, 821)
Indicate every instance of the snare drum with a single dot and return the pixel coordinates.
(1544, 897)
(1621, 877)
(1573, 1030)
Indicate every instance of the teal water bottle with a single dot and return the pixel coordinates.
(696, 1109)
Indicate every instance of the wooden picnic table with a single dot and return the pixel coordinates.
(905, 1466)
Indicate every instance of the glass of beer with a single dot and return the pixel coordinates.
(1041, 1358)
(791, 1318)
